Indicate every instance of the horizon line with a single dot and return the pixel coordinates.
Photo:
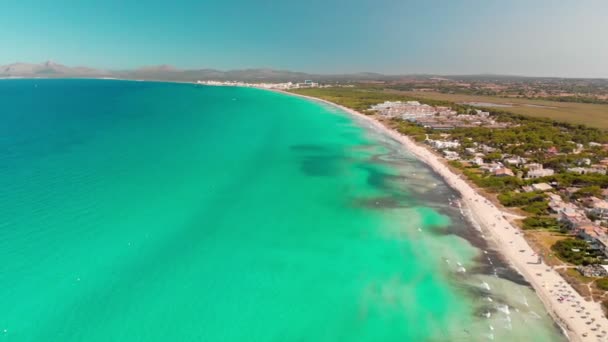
(163, 67)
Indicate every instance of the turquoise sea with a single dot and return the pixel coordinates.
(142, 211)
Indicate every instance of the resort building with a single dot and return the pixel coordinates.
(503, 172)
(583, 161)
(451, 155)
(540, 173)
(491, 167)
(516, 160)
(486, 149)
(587, 170)
(477, 161)
(280, 86)
(573, 217)
(441, 144)
(593, 270)
(595, 235)
(405, 110)
(571, 190)
(542, 187)
(470, 151)
(597, 207)
(437, 118)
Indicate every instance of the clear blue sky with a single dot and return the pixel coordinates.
(526, 37)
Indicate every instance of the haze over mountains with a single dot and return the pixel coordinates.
(46, 69)
(51, 69)
(164, 72)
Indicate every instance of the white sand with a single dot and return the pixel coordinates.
(549, 285)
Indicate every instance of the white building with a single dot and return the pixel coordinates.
(440, 144)
(470, 151)
(516, 160)
(537, 171)
(409, 110)
(534, 166)
(451, 155)
(542, 187)
(477, 161)
(586, 170)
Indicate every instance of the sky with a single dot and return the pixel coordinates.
(517, 37)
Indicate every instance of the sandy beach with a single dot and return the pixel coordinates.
(580, 320)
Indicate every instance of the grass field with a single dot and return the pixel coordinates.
(359, 99)
(593, 115)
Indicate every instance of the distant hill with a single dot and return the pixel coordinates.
(51, 69)
(165, 72)
(246, 75)
(48, 69)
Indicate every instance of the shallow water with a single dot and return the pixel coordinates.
(151, 212)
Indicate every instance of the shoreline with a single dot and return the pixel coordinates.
(489, 219)
(508, 240)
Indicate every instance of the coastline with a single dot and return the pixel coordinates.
(489, 219)
(508, 240)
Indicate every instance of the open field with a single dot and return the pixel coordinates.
(542, 241)
(593, 115)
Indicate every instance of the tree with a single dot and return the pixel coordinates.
(540, 222)
(574, 251)
(588, 191)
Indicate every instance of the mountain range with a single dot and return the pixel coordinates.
(164, 72)
(47, 69)
(51, 69)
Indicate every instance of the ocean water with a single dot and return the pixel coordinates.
(141, 211)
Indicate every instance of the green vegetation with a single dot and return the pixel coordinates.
(527, 137)
(529, 133)
(456, 164)
(594, 115)
(493, 184)
(590, 190)
(592, 91)
(574, 251)
(359, 99)
(537, 208)
(540, 222)
(410, 129)
(602, 284)
(530, 137)
(532, 202)
(516, 199)
(577, 99)
(571, 179)
(537, 130)
(526, 134)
